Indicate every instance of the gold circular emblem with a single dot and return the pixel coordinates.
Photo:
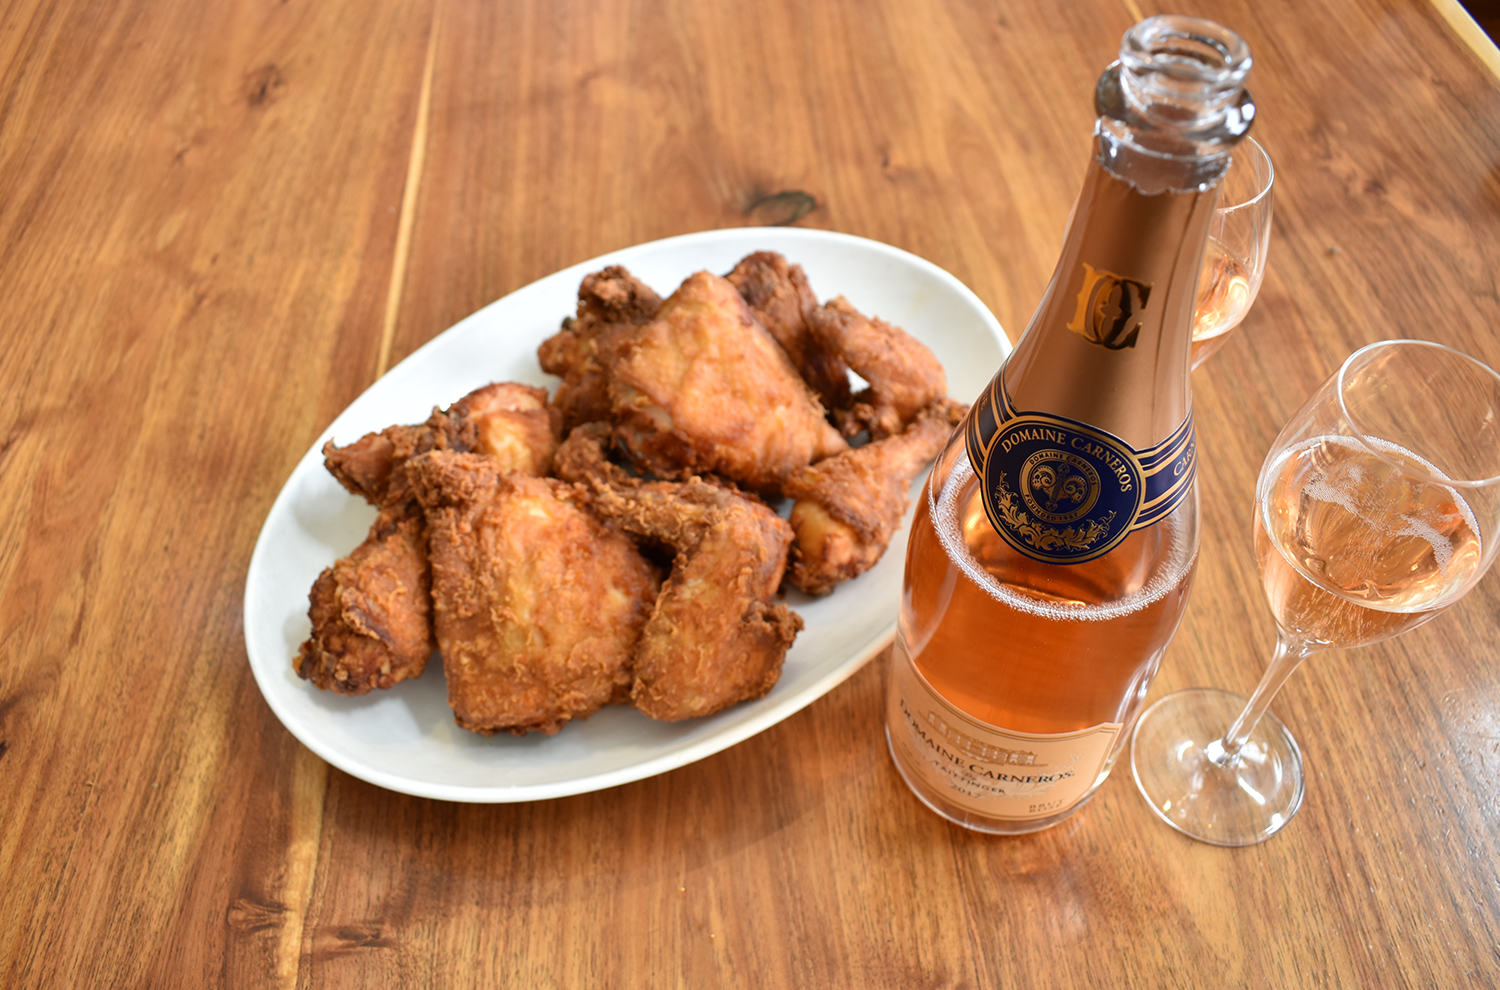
(1058, 487)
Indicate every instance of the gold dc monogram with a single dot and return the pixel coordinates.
(1109, 308)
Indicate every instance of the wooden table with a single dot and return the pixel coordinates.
(220, 222)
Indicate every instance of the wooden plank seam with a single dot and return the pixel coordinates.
(408, 206)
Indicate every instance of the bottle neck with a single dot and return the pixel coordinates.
(1110, 344)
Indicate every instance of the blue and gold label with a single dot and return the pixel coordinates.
(1064, 492)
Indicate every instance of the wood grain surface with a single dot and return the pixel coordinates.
(219, 222)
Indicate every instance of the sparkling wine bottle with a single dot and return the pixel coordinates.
(1055, 540)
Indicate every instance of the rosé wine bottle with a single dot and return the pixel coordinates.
(1055, 541)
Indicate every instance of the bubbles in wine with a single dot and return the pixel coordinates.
(956, 506)
(1389, 505)
(1353, 489)
(1356, 545)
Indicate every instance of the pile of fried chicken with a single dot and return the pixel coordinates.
(616, 542)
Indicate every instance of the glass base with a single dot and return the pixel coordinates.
(1239, 805)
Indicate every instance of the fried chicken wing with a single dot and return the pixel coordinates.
(374, 466)
(704, 387)
(779, 296)
(848, 506)
(538, 605)
(715, 637)
(612, 306)
(509, 421)
(370, 610)
(904, 375)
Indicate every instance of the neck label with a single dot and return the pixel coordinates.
(1064, 492)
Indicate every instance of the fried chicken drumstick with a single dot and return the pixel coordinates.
(371, 611)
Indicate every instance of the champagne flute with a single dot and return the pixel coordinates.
(1238, 239)
(1376, 509)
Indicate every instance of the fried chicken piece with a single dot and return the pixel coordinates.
(779, 296)
(704, 387)
(584, 458)
(904, 375)
(848, 506)
(538, 605)
(714, 637)
(371, 611)
(507, 420)
(374, 466)
(513, 424)
(371, 627)
(612, 306)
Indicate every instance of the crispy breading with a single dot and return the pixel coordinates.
(704, 387)
(715, 636)
(780, 297)
(583, 457)
(370, 611)
(538, 605)
(904, 375)
(508, 420)
(848, 506)
(513, 424)
(374, 466)
(542, 606)
(612, 306)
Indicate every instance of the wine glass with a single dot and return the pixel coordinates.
(1238, 238)
(1376, 508)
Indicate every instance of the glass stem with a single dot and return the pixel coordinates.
(1287, 658)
